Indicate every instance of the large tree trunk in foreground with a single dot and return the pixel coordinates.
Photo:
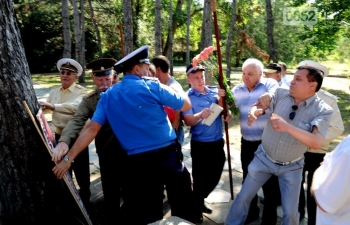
(24, 161)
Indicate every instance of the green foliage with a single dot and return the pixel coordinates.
(41, 28)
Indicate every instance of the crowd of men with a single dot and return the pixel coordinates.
(138, 127)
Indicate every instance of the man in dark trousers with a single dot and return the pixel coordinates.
(134, 109)
(109, 151)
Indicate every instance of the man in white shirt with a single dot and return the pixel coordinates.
(330, 186)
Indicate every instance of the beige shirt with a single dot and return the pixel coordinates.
(336, 126)
(66, 102)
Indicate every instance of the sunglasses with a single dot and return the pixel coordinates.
(292, 114)
(68, 73)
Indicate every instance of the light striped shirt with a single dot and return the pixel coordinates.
(283, 147)
(245, 99)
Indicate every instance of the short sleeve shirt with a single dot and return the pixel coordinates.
(244, 99)
(135, 111)
(203, 132)
(313, 111)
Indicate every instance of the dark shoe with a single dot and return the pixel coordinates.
(252, 218)
(199, 217)
(206, 209)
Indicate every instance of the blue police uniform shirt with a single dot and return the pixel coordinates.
(135, 111)
(202, 132)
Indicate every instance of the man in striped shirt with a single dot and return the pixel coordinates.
(246, 94)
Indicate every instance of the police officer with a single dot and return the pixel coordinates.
(63, 101)
(107, 145)
(135, 110)
(314, 157)
(207, 143)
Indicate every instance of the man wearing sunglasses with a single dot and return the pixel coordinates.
(109, 151)
(63, 101)
(299, 120)
(314, 157)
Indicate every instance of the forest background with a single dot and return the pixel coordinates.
(270, 30)
(86, 30)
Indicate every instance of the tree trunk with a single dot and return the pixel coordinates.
(207, 31)
(270, 39)
(82, 36)
(136, 20)
(174, 28)
(158, 28)
(188, 55)
(78, 37)
(239, 53)
(67, 45)
(24, 161)
(171, 36)
(229, 39)
(128, 29)
(97, 31)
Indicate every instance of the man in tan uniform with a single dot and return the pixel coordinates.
(313, 157)
(63, 101)
(107, 146)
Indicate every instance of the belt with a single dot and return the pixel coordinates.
(282, 163)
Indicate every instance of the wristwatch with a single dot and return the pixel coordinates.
(66, 159)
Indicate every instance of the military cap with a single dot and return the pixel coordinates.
(191, 69)
(69, 64)
(140, 55)
(273, 68)
(101, 67)
(314, 65)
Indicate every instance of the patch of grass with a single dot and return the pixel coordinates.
(53, 79)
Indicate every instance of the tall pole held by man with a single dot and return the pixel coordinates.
(213, 3)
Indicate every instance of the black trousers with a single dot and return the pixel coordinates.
(312, 162)
(208, 159)
(271, 189)
(144, 177)
(111, 159)
(81, 168)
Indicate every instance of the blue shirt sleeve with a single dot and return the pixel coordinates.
(169, 97)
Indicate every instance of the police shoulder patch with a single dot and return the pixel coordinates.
(91, 93)
(79, 86)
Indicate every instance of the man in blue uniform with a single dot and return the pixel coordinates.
(134, 109)
(207, 143)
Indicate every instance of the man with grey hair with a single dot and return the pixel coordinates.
(246, 94)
